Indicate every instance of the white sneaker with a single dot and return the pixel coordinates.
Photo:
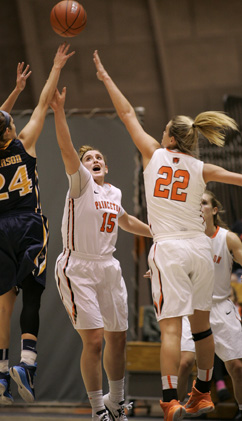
(101, 416)
(116, 410)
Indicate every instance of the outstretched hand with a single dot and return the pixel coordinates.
(101, 72)
(61, 56)
(22, 76)
(58, 100)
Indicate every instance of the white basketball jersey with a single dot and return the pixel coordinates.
(223, 261)
(174, 186)
(90, 222)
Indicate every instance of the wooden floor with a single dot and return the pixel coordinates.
(55, 411)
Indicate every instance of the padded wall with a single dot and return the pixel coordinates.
(59, 346)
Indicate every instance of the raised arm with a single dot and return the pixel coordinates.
(30, 133)
(215, 173)
(22, 76)
(144, 142)
(69, 155)
(133, 225)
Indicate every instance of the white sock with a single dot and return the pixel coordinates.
(96, 401)
(28, 357)
(116, 390)
(28, 351)
(4, 362)
(205, 375)
(4, 366)
(169, 382)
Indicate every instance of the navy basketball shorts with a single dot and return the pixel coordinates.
(23, 248)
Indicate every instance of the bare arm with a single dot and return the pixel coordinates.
(144, 142)
(30, 133)
(133, 225)
(235, 246)
(22, 76)
(215, 173)
(69, 154)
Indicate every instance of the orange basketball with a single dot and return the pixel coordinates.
(68, 18)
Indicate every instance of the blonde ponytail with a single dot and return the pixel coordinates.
(213, 126)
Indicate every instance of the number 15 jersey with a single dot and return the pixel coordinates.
(174, 186)
(90, 222)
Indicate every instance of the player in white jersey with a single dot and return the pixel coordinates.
(89, 278)
(181, 257)
(224, 317)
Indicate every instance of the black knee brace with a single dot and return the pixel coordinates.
(201, 335)
(29, 319)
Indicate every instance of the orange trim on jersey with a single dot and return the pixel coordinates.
(181, 153)
(70, 225)
(216, 232)
(73, 225)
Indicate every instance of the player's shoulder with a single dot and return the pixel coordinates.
(111, 189)
(232, 240)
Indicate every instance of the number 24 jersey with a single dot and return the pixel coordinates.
(19, 188)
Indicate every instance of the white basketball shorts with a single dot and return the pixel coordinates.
(93, 291)
(227, 330)
(187, 342)
(182, 276)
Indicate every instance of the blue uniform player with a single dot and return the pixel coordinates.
(23, 233)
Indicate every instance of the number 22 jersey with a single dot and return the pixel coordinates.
(174, 186)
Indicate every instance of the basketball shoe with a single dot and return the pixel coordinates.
(198, 403)
(5, 394)
(173, 410)
(116, 410)
(102, 415)
(23, 374)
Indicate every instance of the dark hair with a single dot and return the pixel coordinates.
(5, 121)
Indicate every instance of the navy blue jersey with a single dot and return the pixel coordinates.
(19, 187)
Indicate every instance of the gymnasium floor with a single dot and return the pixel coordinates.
(72, 412)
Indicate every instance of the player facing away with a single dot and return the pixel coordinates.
(224, 317)
(23, 235)
(89, 278)
(180, 260)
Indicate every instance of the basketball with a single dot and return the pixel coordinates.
(68, 18)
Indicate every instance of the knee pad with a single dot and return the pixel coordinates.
(201, 335)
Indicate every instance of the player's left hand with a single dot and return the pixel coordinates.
(22, 75)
